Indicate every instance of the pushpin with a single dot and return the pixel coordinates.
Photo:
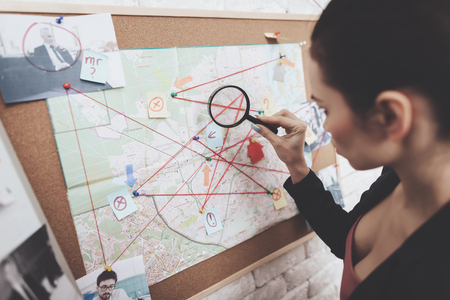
(201, 210)
(271, 35)
(209, 159)
(269, 192)
(173, 94)
(253, 140)
(196, 138)
(108, 268)
(66, 85)
(136, 193)
(261, 112)
(59, 19)
(281, 56)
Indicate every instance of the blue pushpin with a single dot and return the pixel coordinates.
(281, 56)
(135, 193)
(59, 19)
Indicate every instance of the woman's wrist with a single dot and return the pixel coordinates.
(298, 172)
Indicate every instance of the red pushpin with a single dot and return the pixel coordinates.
(277, 33)
(66, 85)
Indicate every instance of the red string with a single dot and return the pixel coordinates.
(226, 135)
(318, 5)
(231, 163)
(203, 207)
(157, 214)
(254, 166)
(183, 147)
(190, 141)
(213, 104)
(201, 194)
(226, 76)
(85, 175)
(137, 122)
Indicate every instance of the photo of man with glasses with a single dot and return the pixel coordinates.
(106, 283)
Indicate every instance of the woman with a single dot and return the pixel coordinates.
(380, 69)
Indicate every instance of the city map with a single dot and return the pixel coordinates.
(107, 140)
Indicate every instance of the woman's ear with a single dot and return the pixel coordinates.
(394, 114)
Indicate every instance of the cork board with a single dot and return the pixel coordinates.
(30, 131)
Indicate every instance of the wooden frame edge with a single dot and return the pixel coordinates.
(70, 8)
(252, 267)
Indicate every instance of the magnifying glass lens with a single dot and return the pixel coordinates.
(228, 106)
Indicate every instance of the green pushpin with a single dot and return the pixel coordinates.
(174, 94)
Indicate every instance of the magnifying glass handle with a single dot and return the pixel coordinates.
(257, 121)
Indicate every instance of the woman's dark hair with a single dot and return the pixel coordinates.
(365, 47)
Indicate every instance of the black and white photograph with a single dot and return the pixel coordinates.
(31, 272)
(39, 54)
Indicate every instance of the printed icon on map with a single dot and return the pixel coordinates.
(121, 203)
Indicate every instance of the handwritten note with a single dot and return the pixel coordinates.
(94, 67)
(279, 200)
(211, 220)
(268, 105)
(310, 137)
(214, 135)
(121, 203)
(157, 105)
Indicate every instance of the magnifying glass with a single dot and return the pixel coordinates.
(229, 106)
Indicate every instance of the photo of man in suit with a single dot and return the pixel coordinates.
(50, 56)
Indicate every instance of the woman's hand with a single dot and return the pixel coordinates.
(289, 147)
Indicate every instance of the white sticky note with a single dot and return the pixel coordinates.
(214, 135)
(268, 105)
(211, 220)
(6, 196)
(310, 137)
(94, 66)
(278, 72)
(121, 203)
(157, 105)
(270, 35)
(279, 200)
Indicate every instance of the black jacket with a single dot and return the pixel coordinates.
(42, 59)
(419, 269)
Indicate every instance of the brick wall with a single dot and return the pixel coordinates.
(309, 271)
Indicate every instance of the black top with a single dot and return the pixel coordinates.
(419, 269)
